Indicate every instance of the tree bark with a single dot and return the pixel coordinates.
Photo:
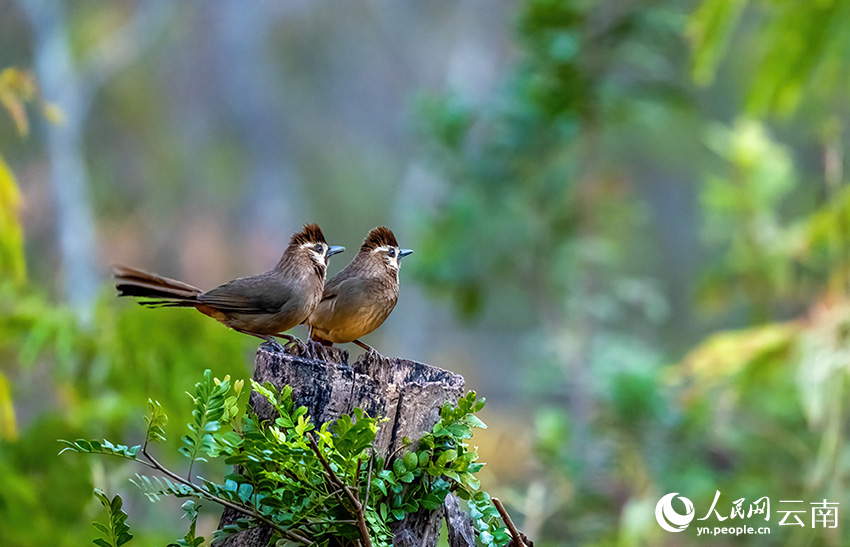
(407, 393)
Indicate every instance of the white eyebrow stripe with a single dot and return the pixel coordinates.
(383, 248)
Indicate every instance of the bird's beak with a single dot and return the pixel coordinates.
(334, 250)
(404, 252)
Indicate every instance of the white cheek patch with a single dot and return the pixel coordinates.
(392, 261)
(314, 254)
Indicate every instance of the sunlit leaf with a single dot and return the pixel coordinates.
(8, 425)
(710, 29)
(12, 262)
(16, 89)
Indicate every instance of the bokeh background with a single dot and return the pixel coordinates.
(631, 224)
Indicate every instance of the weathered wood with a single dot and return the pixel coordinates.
(407, 393)
(458, 523)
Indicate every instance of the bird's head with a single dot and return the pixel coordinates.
(380, 245)
(310, 243)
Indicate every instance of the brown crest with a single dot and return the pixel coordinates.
(379, 237)
(310, 234)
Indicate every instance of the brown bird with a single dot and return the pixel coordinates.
(360, 297)
(263, 305)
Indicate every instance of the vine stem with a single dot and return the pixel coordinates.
(358, 507)
(288, 534)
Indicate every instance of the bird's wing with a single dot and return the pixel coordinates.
(337, 299)
(330, 293)
(333, 286)
(249, 295)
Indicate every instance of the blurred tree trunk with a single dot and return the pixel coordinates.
(251, 94)
(59, 83)
(72, 87)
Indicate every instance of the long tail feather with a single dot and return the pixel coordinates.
(141, 284)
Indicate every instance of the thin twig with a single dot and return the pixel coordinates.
(369, 482)
(357, 480)
(189, 474)
(358, 507)
(393, 454)
(288, 534)
(517, 537)
(143, 462)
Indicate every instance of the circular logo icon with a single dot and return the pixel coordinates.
(668, 518)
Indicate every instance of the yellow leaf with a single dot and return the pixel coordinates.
(17, 87)
(8, 426)
(53, 113)
(723, 357)
(11, 235)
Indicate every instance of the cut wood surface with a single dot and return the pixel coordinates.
(407, 393)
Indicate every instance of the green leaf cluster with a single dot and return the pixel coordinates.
(116, 532)
(211, 407)
(311, 483)
(101, 447)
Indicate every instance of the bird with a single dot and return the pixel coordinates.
(360, 297)
(263, 305)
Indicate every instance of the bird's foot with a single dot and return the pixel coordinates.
(275, 345)
(370, 351)
(297, 348)
(315, 348)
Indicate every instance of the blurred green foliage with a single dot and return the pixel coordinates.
(800, 50)
(90, 380)
(78, 379)
(16, 89)
(543, 214)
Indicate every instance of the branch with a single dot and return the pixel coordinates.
(515, 534)
(358, 507)
(288, 534)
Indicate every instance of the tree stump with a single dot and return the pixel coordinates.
(407, 393)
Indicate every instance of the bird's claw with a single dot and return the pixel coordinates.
(314, 347)
(297, 347)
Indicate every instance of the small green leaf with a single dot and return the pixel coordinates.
(473, 421)
(411, 461)
(446, 457)
(116, 531)
(399, 468)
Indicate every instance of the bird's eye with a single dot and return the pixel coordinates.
(391, 252)
(319, 248)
